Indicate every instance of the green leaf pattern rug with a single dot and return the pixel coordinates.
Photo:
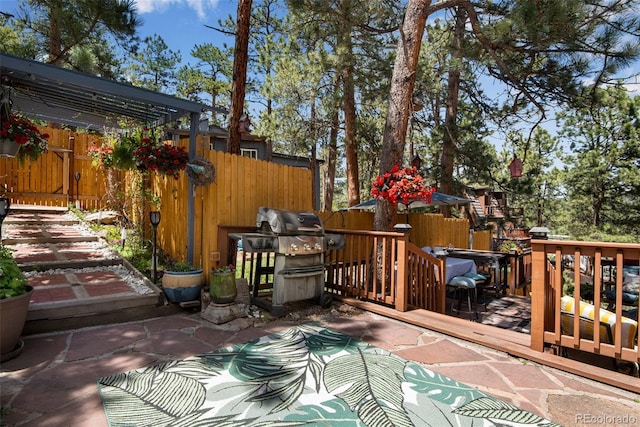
(305, 376)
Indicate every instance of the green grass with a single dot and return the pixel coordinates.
(137, 251)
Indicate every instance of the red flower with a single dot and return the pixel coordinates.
(21, 130)
(162, 158)
(401, 185)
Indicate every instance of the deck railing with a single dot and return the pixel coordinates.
(387, 269)
(596, 274)
(519, 272)
(425, 278)
(384, 267)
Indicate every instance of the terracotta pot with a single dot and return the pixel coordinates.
(13, 315)
(223, 288)
(8, 148)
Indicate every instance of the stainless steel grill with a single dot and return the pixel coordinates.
(295, 242)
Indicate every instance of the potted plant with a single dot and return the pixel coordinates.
(14, 303)
(115, 152)
(222, 287)
(181, 281)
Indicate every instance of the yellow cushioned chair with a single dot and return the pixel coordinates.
(629, 326)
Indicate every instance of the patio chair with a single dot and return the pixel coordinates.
(586, 326)
(467, 285)
(630, 290)
(482, 282)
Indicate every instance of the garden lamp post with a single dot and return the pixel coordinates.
(77, 177)
(4, 211)
(154, 218)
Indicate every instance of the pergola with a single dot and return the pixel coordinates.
(71, 98)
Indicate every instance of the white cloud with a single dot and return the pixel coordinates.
(199, 6)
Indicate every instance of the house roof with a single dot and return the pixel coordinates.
(77, 99)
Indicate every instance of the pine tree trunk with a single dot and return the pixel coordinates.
(450, 136)
(349, 106)
(330, 174)
(239, 75)
(351, 152)
(402, 83)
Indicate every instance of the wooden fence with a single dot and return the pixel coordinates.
(51, 180)
(426, 229)
(369, 267)
(230, 204)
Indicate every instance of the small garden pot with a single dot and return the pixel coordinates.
(182, 286)
(222, 287)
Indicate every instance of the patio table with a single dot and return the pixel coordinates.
(496, 261)
(458, 267)
(453, 266)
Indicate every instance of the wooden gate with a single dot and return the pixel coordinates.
(51, 180)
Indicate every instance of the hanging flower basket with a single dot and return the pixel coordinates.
(401, 185)
(162, 158)
(116, 153)
(101, 156)
(201, 171)
(16, 129)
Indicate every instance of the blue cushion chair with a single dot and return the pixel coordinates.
(481, 282)
(463, 284)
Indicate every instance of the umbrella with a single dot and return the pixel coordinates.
(437, 199)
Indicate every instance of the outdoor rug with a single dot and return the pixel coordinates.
(509, 312)
(306, 375)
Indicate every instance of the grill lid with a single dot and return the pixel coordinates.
(286, 222)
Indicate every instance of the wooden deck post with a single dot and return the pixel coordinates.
(538, 277)
(402, 292)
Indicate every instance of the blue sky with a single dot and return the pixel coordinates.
(181, 23)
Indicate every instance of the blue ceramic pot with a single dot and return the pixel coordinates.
(190, 293)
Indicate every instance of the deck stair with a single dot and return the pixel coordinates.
(495, 209)
(476, 211)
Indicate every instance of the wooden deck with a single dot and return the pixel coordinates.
(513, 343)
